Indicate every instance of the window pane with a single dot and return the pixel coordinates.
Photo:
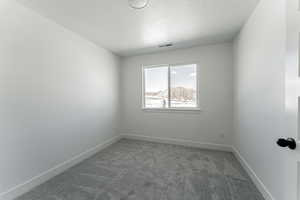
(184, 86)
(156, 87)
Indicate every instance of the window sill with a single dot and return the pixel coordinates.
(173, 110)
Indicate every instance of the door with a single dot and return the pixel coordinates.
(292, 102)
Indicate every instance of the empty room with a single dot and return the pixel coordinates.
(149, 100)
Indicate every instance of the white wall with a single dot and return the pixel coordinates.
(259, 92)
(214, 124)
(58, 94)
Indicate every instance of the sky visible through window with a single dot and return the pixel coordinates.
(156, 78)
(183, 76)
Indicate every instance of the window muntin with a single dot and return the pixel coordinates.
(170, 87)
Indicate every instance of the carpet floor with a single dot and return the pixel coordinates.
(138, 170)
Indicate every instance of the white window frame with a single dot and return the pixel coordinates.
(197, 108)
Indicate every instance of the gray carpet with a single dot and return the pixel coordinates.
(137, 170)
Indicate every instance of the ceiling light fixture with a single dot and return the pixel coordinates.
(138, 4)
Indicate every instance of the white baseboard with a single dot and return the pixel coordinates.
(58, 169)
(189, 143)
(47, 175)
(259, 184)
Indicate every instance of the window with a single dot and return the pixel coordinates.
(170, 87)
